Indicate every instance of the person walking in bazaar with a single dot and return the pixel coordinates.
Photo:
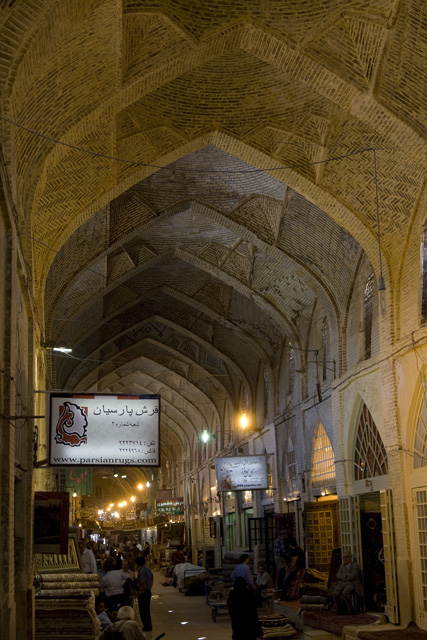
(144, 583)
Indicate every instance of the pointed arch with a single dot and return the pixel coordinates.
(322, 461)
(370, 456)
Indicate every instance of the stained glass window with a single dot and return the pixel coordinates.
(322, 461)
(370, 457)
(368, 310)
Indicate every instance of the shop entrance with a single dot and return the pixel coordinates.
(264, 531)
(373, 572)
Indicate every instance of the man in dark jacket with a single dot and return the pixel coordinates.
(144, 585)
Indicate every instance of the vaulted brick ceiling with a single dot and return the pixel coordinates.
(176, 210)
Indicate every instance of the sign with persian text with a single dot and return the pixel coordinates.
(104, 430)
(173, 507)
(241, 473)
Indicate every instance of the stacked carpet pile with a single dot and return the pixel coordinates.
(65, 607)
(276, 625)
(67, 584)
(331, 622)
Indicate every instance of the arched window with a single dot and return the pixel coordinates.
(265, 393)
(324, 348)
(291, 378)
(370, 457)
(322, 461)
(420, 444)
(368, 311)
(424, 274)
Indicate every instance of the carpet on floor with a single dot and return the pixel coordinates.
(329, 621)
(412, 632)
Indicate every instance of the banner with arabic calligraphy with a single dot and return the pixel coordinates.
(241, 473)
(104, 430)
(174, 506)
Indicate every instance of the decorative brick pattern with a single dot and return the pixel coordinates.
(222, 239)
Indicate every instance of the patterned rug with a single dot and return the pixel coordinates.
(412, 632)
(329, 621)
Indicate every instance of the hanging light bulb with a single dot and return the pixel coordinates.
(205, 436)
(244, 421)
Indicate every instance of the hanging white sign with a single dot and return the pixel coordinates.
(242, 473)
(104, 430)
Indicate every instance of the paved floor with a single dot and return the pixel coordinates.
(183, 617)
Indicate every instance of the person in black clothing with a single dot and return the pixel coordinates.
(242, 608)
(144, 582)
(295, 562)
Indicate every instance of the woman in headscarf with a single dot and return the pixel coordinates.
(242, 608)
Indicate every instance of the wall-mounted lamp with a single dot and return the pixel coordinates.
(244, 421)
(206, 435)
(57, 348)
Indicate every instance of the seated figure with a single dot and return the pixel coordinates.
(125, 625)
(263, 581)
(295, 559)
(349, 582)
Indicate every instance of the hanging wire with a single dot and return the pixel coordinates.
(190, 170)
